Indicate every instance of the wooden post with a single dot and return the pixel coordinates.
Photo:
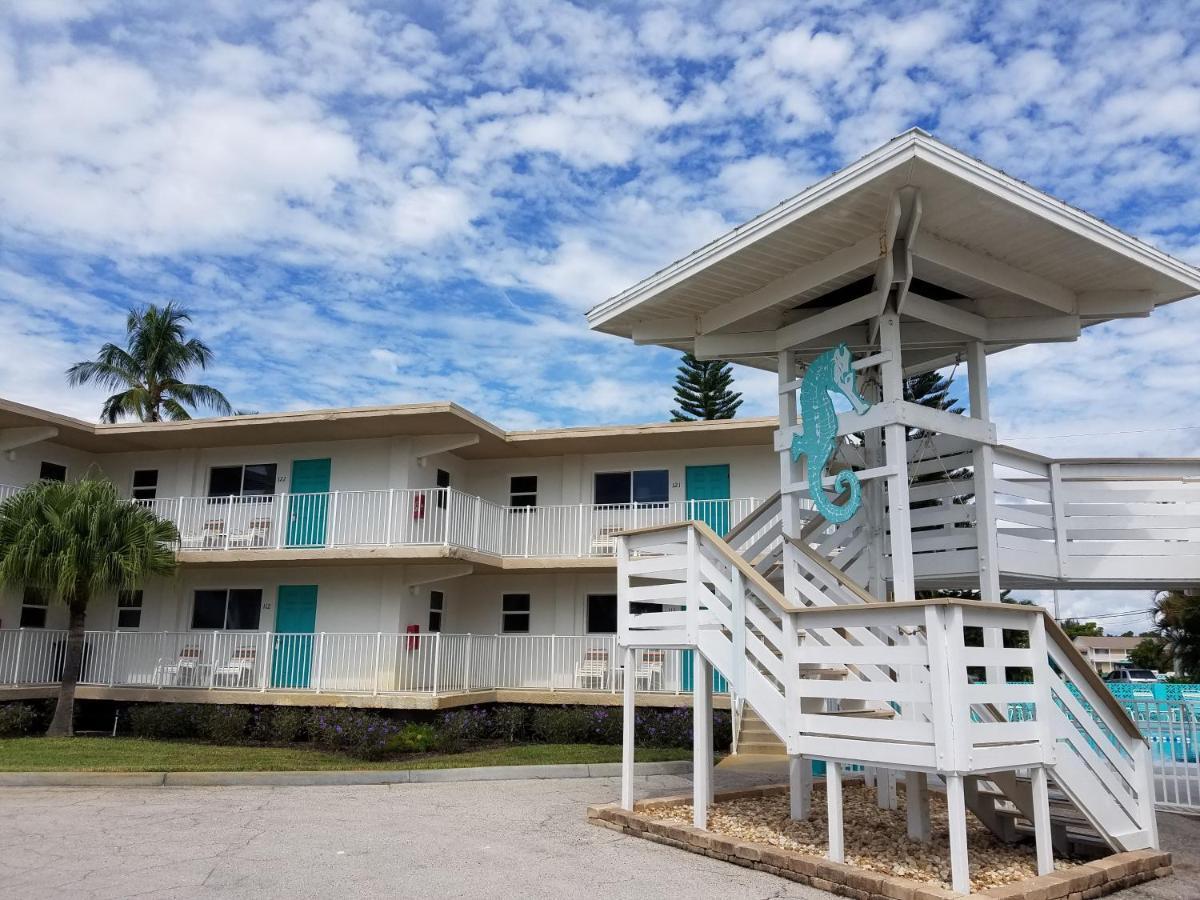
(956, 808)
(800, 787)
(702, 741)
(1041, 820)
(891, 373)
(916, 806)
(833, 796)
(627, 735)
(983, 462)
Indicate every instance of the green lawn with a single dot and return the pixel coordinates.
(101, 754)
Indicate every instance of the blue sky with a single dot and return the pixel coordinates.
(385, 203)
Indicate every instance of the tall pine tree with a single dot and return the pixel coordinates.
(702, 390)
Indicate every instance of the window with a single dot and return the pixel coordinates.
(129, 609)
(443, 481)
(522, 490)
(145, 484)
(437, 605)
(33, 609)
(52, 472)
(602, 612)
(618, 488)
(514, 616)
(257, 480)
(234, 609)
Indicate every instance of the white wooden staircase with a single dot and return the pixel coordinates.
(838, 676)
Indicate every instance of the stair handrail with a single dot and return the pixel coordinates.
(764, 509)
(844, 580)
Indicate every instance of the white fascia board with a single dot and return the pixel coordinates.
(891, 155)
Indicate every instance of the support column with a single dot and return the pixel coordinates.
(800, 787)
(702, 740)
(833, 796)
(983, 462)
(896, 452)
(1041, 820)
(916, 806)
(956, 809)
(627, 734)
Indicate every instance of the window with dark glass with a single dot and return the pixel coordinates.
(129, 609)
(34, 607)
(145, 484)
(619, 488)
(522, 490)
(602, 612)
(443, 481)
(437, 604)
(52, 472)
(612, 488)
(256, 480)
(235, 609)
(514, 615)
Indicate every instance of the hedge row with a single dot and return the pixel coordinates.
(380, 734)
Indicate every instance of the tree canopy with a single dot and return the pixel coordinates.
(148, 374)
(703, 390)
(72, 542)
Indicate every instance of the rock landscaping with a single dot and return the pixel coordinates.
(753, 828)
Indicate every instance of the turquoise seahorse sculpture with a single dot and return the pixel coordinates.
(831, 371)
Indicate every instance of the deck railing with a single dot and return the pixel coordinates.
(424, 517)
(344, 663)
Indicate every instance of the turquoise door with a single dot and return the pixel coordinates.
(687, 668)
(295, 622)
(708, 496)
(308, 503)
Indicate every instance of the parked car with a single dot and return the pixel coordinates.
(1131, 676)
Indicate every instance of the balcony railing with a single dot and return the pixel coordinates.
(363, 663)
(424, 517)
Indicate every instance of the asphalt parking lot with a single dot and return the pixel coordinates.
(473, 839)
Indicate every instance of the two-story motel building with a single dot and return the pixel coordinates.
(321, 552)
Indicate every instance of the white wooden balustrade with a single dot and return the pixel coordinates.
(944, 688)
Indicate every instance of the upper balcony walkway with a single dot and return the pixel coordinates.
(438, 521)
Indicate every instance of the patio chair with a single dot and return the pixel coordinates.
(238, 671)
(180, 671)
(649, 669)
(592, 670)
(214, 533)
(604, 543)
(256, 533)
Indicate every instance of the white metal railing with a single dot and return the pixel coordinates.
(336, 662)
(427, 516)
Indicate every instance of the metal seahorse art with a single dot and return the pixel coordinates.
(831, 371)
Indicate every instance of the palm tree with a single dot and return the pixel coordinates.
(72, 541)
(1177, 621)
(148, 373)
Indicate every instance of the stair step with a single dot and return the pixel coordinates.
(860, 713)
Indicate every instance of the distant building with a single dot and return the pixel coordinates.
(1107, 653)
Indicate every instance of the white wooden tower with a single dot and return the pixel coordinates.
(915, 258)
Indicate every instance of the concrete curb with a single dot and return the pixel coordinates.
(362, 776)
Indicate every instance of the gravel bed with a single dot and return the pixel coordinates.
(876, 839)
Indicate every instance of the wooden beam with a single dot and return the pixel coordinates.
(915, 415)
(998, 274)
(656, 330)
(947, 316)
(732, 346)
(1039, 329)
(796, 282)
(824, 323)
(1116, 304)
